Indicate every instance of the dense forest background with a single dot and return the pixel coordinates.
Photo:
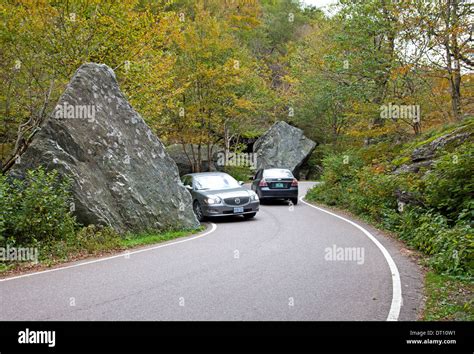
(385, 88)
(215, 72)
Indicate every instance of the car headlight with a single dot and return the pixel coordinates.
(213, 200)
(254, 197)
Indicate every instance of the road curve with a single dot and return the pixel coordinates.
(277, 266)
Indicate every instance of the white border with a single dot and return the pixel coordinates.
(396, 283)
(123, 254)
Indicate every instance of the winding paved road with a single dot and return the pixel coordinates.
(274, 267)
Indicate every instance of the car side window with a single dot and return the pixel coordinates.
(259, 174)
(187, 181)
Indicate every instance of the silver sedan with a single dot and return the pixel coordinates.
(219, 194)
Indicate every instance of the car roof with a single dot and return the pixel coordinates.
(197, 174)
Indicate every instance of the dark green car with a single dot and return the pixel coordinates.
(219, 194)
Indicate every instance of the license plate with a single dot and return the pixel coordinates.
(238, 210)
(279, 185)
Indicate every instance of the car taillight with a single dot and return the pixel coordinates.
(263, 183)
(294, 183)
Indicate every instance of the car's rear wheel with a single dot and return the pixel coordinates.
(294, 201)
(198, 211)
(249, 216)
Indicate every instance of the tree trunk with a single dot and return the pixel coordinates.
(453, 57)
(199, 159)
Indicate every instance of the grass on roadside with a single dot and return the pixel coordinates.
(93, 242)
(134, 240)
(449, 298)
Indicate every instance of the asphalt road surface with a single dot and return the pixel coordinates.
(289, 263)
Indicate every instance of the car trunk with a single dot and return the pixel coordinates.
(279, 183)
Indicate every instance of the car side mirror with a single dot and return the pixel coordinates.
(188, 187)
(241, 183)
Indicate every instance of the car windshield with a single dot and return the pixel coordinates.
(277, 173)
(216, 182)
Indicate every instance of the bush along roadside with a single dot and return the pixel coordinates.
(240, 173)
(37, 227)
(431, 208)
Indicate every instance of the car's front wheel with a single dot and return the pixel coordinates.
(198, 211)
(249, 216)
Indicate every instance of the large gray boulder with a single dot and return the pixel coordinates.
(283, 146)
(121, 174)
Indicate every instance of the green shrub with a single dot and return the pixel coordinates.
(313, 165)
(240, 173)
(450, 184)
(372, 194)
(96, 238)
(450, 248)
(339, 172)
(441, 223)
(36, 209)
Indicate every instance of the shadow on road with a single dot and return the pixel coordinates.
(230, 219)
(277, 202)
